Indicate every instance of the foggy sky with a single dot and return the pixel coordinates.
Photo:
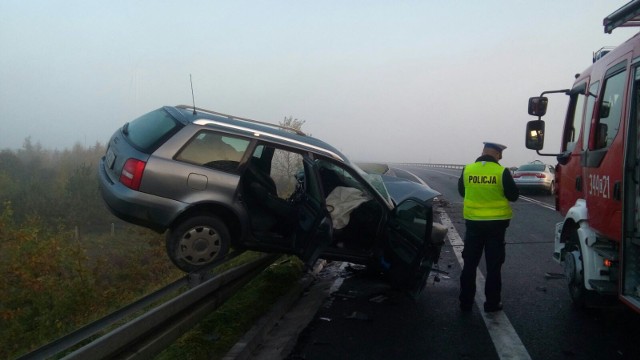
(395, 81)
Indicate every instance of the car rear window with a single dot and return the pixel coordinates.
(149, 131)
(531, 167)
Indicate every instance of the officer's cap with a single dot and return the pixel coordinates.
(495, 146)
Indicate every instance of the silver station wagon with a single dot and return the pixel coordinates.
(213, 181)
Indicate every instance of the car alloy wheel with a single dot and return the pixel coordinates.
(197, 242)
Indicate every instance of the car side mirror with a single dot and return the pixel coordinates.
(538, 106)
(535, 135)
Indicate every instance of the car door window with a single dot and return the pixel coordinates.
(410, 254)
(286, 166)
(214, 150)
(268, 184)
(412, 220)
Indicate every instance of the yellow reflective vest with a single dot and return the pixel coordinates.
(483, 192)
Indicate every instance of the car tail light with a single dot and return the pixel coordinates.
(131, 176)
(541, 176)
(515, 176)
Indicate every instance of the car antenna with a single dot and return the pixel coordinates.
(193, 98)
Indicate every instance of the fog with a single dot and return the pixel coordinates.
(392, 81)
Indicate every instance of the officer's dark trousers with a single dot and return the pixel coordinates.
(487, 236)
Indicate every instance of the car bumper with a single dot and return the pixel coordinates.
(154, 212)
(533, 185)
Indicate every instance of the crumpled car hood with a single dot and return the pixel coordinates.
(401, 189)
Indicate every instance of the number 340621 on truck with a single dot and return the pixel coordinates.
(598, 171)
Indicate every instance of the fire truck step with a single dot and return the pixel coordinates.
(604, 287)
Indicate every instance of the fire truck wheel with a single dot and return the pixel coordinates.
(574, 274)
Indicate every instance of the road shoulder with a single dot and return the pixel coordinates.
(275, 334)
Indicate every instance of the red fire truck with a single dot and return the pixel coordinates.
(598, 171)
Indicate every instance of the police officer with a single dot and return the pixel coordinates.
(487, 188)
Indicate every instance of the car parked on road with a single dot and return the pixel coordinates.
(535, 175)
(212, 181)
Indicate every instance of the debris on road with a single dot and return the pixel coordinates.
(554, 275)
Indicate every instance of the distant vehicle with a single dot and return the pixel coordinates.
(535, 176)
(598, 173)
(214, 181)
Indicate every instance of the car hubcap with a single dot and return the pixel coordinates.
(199, 245)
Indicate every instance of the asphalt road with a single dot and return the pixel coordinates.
(364, 319)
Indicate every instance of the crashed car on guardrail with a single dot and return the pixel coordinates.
(214, 181)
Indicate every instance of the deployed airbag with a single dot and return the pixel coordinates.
(341, 202)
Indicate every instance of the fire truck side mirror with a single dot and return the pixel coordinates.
(535, 135)
(538, 106)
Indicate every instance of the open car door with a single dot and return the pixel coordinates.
(287, 208)
(315, 230)
(413, 240)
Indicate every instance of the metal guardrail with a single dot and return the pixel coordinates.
(150, 333)
(445, 166)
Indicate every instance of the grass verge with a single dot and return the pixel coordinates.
(214, 336)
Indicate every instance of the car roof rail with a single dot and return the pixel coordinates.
(233, 117)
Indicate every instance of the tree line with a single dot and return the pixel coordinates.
(58, 187)
(52, 280)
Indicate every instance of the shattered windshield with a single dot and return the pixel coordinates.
(333, 175)
(377, 183)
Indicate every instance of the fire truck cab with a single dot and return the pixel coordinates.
(598, 171)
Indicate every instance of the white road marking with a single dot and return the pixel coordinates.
(537, 202)
(505, 339)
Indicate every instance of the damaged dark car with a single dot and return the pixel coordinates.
(213, 181)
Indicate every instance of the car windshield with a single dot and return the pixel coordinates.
(531, 167)
(376, 182)
(149, 131)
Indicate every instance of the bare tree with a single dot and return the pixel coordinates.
(290, 122)
(286, 163)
